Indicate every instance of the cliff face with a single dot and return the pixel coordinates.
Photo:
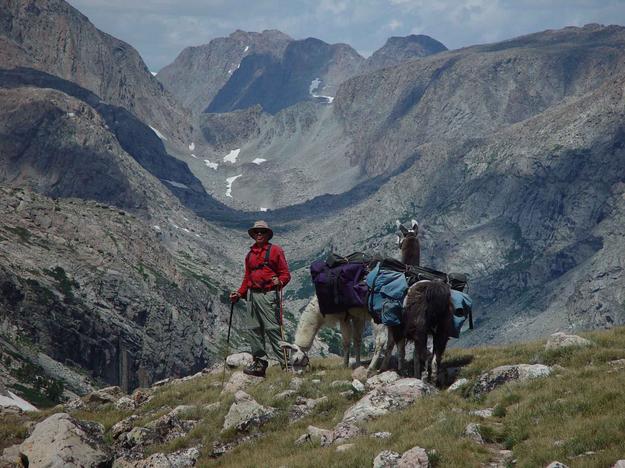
(471, 93)
(52, 36)
(198, 73)
(309, 69)
(101, 267)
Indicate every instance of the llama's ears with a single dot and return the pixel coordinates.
(397, 223)
(403, 229)
(398, 240)
(415, 226)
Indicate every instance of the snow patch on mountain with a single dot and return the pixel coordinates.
(158, 134)
(192, 146)
(229, 181)
(211, 164)
(314, 86)
(259, 161)
(177, 184)
(231, 157)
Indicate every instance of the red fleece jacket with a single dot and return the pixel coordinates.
(260, 278)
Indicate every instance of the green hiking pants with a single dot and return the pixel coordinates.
(264, 310)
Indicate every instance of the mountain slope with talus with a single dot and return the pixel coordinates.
(52, 36)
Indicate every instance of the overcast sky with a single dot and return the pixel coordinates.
(160, 29)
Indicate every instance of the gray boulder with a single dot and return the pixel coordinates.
(387, 398)
(458, 384)
(61, 440)
(245, 413)
(239, 360)
(472, 431)
(303, 407)
(382, 379)
(416, 457)
(180, 459)
(562, 340)
(504, 374)
(240, 381)
(386, 459)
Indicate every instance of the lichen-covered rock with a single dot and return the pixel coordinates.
(562, 340)
(458, 384)
(473, 432)
(61, 440)
(416, 457)
(123, 426)
(246, 413)
(240, 381)
(358, 386)
(125, 404)
(303, 407)
(387, 398)
(504, 374)
(180, 459)
(382, 379)
(386, 459)
(239, 360)
(483, 413)
(343, 432)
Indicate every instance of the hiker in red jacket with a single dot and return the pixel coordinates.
(266, 273)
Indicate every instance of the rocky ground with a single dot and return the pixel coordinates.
(493, 408)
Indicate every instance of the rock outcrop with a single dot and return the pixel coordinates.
(511, 373)
(61, 440)
(199, 72)
(52, 36)
(387, 398)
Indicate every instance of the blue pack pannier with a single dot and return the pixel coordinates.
(387, 290)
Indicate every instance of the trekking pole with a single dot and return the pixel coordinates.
(284, 353)
(227, 349)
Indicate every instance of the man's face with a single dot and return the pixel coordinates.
(260, 236)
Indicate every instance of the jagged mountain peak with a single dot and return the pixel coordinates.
(199, 72)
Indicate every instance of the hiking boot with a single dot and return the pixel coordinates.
(257, 369)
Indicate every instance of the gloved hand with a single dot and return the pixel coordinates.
(234, 297)
(276, 281)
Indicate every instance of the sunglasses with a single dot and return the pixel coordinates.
(262, 233)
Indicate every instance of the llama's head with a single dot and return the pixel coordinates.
(408, 243)
(405, 233)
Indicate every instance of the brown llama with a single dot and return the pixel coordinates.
(410, 249)
(428, 310)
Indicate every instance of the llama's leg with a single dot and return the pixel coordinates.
(440, 343)
(420, 353)
(390, 344)
(401, 355)
(358, 322)
(380, 339)
(346, 334)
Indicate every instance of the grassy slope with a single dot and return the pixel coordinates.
(577, 410)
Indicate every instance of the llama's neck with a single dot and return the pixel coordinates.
(309, 323)
(411, 251)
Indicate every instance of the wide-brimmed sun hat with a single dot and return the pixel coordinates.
(260, 226)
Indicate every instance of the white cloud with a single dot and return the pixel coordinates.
(394, 24)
